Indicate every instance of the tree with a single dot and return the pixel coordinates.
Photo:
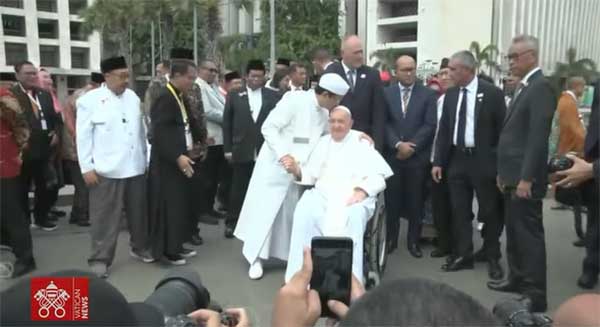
(486, 56)
(386, 58)
(585, 68)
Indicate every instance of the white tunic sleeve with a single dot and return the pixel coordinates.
(279, 118)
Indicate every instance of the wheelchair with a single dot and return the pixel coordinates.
(375, 242)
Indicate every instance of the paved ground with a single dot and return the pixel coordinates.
(224, 271)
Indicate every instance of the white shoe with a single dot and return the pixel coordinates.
(99, 269)
(145, 258)
(256, 270)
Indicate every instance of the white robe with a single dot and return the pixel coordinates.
(293, 127)
(337, 169)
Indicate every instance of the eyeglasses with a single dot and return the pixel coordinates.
(515, 56)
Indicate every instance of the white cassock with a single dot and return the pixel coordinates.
(337, 169)
(293, 128)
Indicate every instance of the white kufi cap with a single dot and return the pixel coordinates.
(334, 83)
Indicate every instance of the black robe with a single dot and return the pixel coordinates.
(170, 191)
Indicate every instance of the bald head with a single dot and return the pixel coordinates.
(581, 311)
(340, 123)
(406, 70)
(352, 51)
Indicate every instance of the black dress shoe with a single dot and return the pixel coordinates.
(451, 257)
(438, 253)
(391, 247)
(535, 303)
(587, 280)
(196, 240)
(508, 286)
(208, 219)
(579, 243)
(84, 223)
(22, 268)
(57, 213)
(495, 270)
(229, 231)
(457, 264)
(415, 251)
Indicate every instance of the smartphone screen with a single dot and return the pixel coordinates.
(332, 270)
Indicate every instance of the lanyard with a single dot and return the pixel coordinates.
(181, 106)
(38, 107)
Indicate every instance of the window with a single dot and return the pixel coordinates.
(49, 56)
(76, 6)
(12, 3)
(46, 5)
(77, 33)
(80, 58)
(75, 82)
(15, 52)
(48, 28)
(13, 25)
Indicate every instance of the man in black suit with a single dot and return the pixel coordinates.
(522, 173)
(44, 126)
(365, 98)
(468, 135)
(409, 136)
(245, 112)
(586, 175)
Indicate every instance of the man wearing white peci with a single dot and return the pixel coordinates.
(348, 173)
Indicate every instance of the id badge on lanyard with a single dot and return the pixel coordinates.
(40, 111)
(189, 144)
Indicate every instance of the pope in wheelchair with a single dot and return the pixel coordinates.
(347, 174)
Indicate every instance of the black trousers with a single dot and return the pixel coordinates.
(81, 203)
(224, 184)
(465, 179)
(442, 214)
(241, 173)
(525, 242)
(210, 174)
(34, 170)
(405, 196)
(591, 262)
(15, 228)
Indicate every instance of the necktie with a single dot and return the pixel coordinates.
(405, 98)
(351, 79)
(462, 120)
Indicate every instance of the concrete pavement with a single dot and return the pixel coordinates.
(224, 271)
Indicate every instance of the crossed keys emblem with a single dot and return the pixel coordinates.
(51, 297)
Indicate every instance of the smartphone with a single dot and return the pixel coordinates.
(332, 270)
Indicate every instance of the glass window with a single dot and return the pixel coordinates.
(77, 33)
(46, 5)
(12, 3)
(13, 25)
(80, 58)
(49, 56)
(76, 6)
(15, 52)
(47, 28)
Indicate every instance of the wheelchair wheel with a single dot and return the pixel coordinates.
(375, 246)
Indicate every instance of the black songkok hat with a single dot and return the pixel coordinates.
(232, 75)
(97, 78)
(113, 63)
(182, 53)
(255, 65)
(283, 61)
(444, 63)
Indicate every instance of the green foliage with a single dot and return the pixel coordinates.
(486, 56)
(585, 68)
(300, 27)
(386, 58)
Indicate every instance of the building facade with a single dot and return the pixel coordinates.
(433, 29)
(48, 33)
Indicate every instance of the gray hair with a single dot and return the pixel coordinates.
(466, 58)
(574, 81)
(532, 42)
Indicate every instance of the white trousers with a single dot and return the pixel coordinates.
(309, 222)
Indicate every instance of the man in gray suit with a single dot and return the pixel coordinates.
(522, 173)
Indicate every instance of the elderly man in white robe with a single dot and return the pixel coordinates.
(347, 173)
(291, 132)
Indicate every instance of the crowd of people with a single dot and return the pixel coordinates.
(201, 148)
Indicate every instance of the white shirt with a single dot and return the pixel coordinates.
(111, 138)
(572, 95)
(440, 109)
(525, 79)
(470, 123)
(295, 88)
(346, 70)
(255, 101)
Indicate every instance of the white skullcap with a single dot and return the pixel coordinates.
(342, 108)
(334, 83)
